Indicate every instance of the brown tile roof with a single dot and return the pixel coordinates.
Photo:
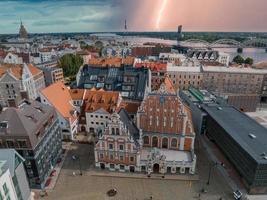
(34, 70)
(77, 94)
(117, 62)
(153, 66)
(16, 70)
(59, 96)
(94, 100)
(168, 85)
(130, 107)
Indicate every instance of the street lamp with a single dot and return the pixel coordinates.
(74, 157)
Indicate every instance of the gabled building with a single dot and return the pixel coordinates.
(118, 146)
(19, 81)
(97, 108)
(58, 96)
(167, 127)
(32, 129)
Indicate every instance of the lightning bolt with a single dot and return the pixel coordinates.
(162, 8)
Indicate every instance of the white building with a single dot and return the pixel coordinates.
(14, 162)
(7, 188)
(12, 58)
(58, 95)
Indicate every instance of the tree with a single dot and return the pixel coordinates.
(249, 61)
(238, 59)
(70, 64)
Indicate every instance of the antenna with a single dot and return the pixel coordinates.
(125, 25)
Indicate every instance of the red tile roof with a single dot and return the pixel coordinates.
(153, 66)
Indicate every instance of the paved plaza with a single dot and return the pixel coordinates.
(93, 186)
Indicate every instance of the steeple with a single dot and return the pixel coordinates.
(22, 31)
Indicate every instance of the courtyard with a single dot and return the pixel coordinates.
(94, 184)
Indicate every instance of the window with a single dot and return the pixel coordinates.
(155, 142)
(111, 166)
(122, 167)
(121, 158)
(22, 143)
(110, 146)
(101, 156)
(174, 143)
(146, 139)
(10, 143)
(113, 131)
(5, 188)
(117, 131)
(131, 158)
(121, 147)
(165, 142)
(111, 156)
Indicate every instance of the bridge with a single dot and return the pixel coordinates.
(226, 43)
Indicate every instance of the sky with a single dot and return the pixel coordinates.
(40, 16)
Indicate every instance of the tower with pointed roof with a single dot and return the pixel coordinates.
(23, 34)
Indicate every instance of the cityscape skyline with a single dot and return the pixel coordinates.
(42, 16)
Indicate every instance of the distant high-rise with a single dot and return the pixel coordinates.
(179, 34)
(23, 34)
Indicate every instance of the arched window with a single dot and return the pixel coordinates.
(165, 143)
(146, 139)
(155, 142)
(174, 143)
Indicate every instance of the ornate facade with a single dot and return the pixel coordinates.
(168, 135)
(118, 147)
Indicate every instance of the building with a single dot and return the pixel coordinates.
(116, 51)
(19, 81)
(32, 129)
(186, 75)
(111, 62)
(7, 191)
(47, 54)
(14, 162)
(209, 56)
(52, 72)
(174, 58)
(66, 112)
(167, 127)
(12, 58)
(98, 107)
(53, 75)
(158, 72)
(243, 141)
(132, 83)
(23, 34)
(118, 146)
(241, 138)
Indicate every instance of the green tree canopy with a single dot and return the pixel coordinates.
(238, 59)
(70, 64)
(249, 61)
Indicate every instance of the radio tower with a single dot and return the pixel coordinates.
(125, 26)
